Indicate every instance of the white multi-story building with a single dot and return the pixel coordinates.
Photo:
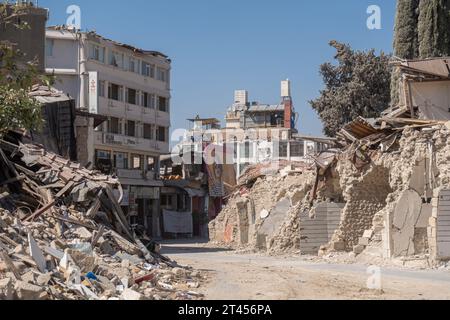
(254, 133)
(129, 89)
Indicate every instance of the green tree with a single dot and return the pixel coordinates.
(406, 39)
(434, 28)
(357, 86)
(17, 109)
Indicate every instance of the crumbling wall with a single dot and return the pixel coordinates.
(365, 194)
(319, 225)
(256, 217)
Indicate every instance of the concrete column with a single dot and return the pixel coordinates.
(83, 72)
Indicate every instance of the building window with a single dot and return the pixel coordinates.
(151, 163)
(147, 70)
(116, 59)
(247, 150)
(283, 149)
(101, 88)
(131, 96)
(298, 149)
(97, 53)
(148, 131)
(120, 160)
(133, 65)
(103, 161)
(49, 44)
(137, 162)
(144, 99)
(114, 126)
(115, 92)
(162, 104)
(161, 132)
(131, 128)
(151, 98)
(161, 74)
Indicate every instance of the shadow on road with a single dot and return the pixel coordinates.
(184, 246)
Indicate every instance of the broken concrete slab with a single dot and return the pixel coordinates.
(83, 233)
(27, 291)
(6, 289)
(406, 215)
(425, 215)
(131, 295)
(36, 254)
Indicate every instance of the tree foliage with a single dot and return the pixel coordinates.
(434, 28)
(406, 41)
(357, 86)
(17, 109)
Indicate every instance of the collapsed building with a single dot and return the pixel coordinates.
(64, 236)
(381, 192)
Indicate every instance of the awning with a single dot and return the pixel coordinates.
(141, 183)
(195, 192)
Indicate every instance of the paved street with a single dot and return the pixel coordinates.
(251, 276)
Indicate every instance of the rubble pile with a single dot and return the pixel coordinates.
(376, 197)
(63, 236)
(256, 211)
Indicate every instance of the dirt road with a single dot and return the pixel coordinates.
(235, 276)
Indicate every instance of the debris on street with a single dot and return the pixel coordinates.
(63, 235)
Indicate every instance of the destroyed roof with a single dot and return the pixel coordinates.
(46, 94)
(119, 44)
(437, 67)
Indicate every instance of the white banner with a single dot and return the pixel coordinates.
(93, 92)
(178, 222)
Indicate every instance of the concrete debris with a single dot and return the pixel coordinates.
(383, 194)
(54, 246)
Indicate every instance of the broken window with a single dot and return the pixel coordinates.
(115, 92)
(133, 65)
(162, 104)
(144, 99)
(283, 149)
(130, 128)
(148, 131)
(116, 59)
(131, 96)
(147, 70)
(97, 53)
(161, 134)
(103, 161)
(161, 74)
(298, 149)
(114, 125)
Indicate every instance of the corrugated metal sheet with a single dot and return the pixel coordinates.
(360, 128)
(265, 108)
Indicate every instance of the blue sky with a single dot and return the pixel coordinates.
(218, 46)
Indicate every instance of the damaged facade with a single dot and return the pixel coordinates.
(130, 89)
(381, 191)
